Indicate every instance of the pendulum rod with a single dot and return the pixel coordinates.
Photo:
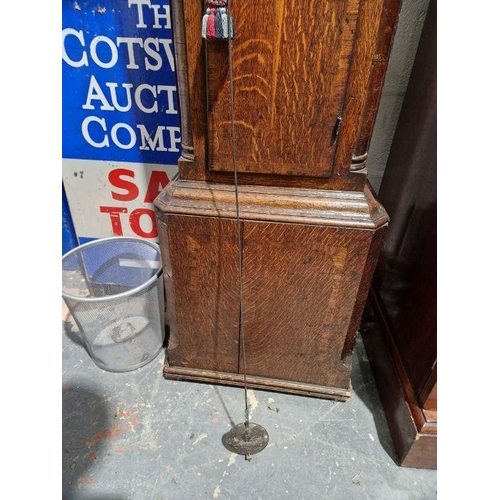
(248, 438)
(241, 333)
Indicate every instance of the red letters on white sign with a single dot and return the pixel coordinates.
(142, 220)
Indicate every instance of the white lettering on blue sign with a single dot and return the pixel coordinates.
(119, 89)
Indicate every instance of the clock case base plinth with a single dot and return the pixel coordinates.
(308, 260)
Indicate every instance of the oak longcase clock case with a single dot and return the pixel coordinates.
(307, 79)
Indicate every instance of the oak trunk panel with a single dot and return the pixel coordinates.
(300, 284)
(285, 54)
(369, 269)
(203, 257)
(308, 257)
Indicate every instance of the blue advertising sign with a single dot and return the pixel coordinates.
(69, 240)
(120, 125)
(118, 78)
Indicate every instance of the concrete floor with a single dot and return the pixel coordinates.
(137, 436)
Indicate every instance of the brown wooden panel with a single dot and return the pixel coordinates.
(300, 286)
(203, 258)
(308, 256)
(431, 415)
(380, 59)
(423, 453)
(402, 349)
(368, 33)
(414, 437)
(170, 316)
(354, 210)
(428, 397)
(301, 39)
(290, 68)
(364, 288)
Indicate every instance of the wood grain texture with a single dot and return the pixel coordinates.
(203, 259)
(300, 286)
(312, 228)
(170, 309)
(182, 78)
(285, 54)
(187, 20)
(379, 62)
(296, 205)
(368, 28)
(301, 282)
(366, 279)
(298, 66)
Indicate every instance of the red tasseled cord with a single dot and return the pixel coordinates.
(211, 24)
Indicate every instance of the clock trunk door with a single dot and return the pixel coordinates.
(290, 70)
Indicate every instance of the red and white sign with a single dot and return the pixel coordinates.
(110, 198)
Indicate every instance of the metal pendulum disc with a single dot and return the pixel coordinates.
(246, 439)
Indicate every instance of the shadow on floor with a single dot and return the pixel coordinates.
(231, 421)
(363, 384)
(85, 418)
